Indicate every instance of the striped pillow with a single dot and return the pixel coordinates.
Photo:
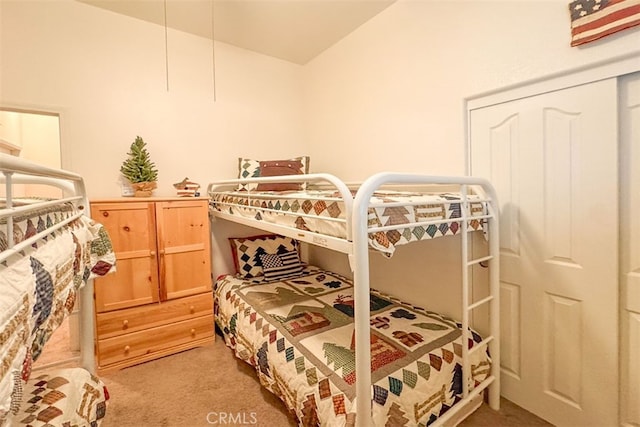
(281, 266)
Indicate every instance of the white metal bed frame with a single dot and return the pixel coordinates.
(356, 246)
(15, 170)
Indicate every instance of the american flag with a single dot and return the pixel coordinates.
(593, 19)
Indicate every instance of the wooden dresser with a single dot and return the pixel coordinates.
(159, 301)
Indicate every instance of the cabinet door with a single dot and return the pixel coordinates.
(184, 248)
(132, 229)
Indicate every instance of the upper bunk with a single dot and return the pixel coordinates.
(321, 209)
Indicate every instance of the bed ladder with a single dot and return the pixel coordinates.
(492, 300)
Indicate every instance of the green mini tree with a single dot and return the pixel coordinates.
(139, 167)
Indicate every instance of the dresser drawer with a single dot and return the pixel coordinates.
(115, 323)
(155, 340)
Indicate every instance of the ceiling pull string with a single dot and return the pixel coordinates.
(213, 50)
(166, 46)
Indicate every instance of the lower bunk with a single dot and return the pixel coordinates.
(298, 333)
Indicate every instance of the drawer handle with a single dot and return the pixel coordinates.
(192, 309)
(152, 253)
(126, 349)
(193, 332)
(105, 213)
(125, 324)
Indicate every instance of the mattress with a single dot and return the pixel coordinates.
(410, 216)
(299, 336)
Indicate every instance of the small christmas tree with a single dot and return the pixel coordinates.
(139, 169)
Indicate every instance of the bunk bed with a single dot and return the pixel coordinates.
(50, 251)
(326, 387)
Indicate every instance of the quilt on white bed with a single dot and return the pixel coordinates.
(299, 335)
(39, 287)
(65, 397)
(322, 211)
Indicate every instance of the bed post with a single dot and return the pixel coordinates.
(361, 298)
(87, 327)
(87, 315)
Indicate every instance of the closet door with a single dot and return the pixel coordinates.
(553, 161)
(630, 249)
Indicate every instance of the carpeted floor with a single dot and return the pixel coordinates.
(193, 388)
(209, 386)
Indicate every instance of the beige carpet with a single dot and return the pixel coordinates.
(209, 386)
(186, 388)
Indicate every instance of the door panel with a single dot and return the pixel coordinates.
(630, 249)
(131, 228)
(510, 329)
(553, 161)
(184, 248)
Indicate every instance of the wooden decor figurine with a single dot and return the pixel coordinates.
(187, 188)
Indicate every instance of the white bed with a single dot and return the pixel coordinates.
(371, 216)
(50, 251)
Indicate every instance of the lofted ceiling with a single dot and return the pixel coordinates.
(292, 30)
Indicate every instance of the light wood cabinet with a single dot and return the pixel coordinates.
(159, 301)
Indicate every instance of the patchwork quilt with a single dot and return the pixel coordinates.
(322, 211)
(299, 336)
(64, 397)
(39, 288)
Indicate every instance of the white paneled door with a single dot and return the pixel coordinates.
(630, 249)
(554, 162)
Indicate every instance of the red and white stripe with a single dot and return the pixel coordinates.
(617, 15)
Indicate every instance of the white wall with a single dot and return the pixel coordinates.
(390, 95)
(105, 74)
(396, 84)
